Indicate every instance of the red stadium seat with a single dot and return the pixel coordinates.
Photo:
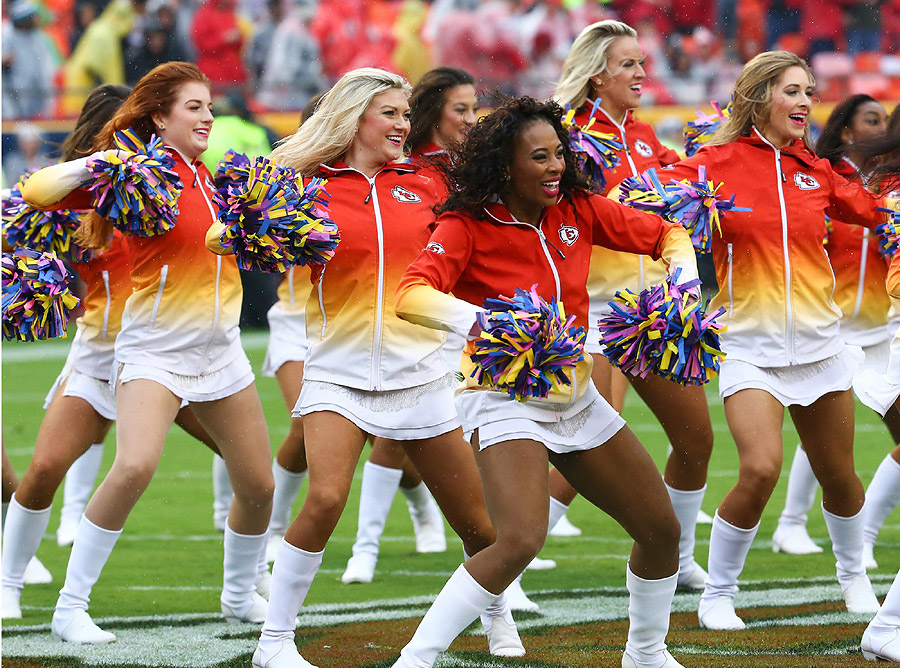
(876, 85)
(829, 64)
(868, 61)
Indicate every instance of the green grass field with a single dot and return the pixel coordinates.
(160, 589)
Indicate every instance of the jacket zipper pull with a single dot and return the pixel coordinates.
(369, 196)
(550, 243)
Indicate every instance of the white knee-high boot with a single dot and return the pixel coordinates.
(847, 544)
(22, 533)
(500, 627)
(428, 522)
(728, 548)
(801, 490)
(292, 576)
(222, 493)
(287, 486)
(240, 566)
(80, 479)
(649, 608)
(376, 494)
(90, 552)
(460, 603)
(687, 504)
(882, 497)
(557, 510)
(881, 639)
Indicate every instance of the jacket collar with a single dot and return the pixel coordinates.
(429, 151)
(341, 167)
(797, 149)
(603, 116)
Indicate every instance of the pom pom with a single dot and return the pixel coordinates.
(137, 190)
(272, 221)
(44, 231)
(699, 131)
(889, 233)
(526, 345)
(595, 152)
(36, 296)
(662, 330)
(692, 204)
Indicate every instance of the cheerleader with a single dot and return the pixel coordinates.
(783, 344)
(81, 405)
(515, 186)
(606, 63)
(368, 373)
(860, 272)
(179, 341)
(443, 106)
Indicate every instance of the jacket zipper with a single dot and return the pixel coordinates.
(862, 273)
(105, 328)
(730, 280)
(163, 274)
(290, 280)
(379, 295)
(789, 334)
(322, 302)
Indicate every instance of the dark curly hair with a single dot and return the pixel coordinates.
(478, 170)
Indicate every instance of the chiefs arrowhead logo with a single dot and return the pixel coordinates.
(435, 247)
(805, 182)
(568, 235)
(405, 196)
(643, 148)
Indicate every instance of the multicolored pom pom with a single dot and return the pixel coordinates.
(36, 296)
(665, 331)
(692, 204)
(889, 233)
(595, 152)
(700, 130)
(272, 220)
(138, 192)
(526, 345)
(44, 231)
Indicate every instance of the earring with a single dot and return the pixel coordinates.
(162, 126)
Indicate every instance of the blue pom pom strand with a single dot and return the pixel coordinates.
(46, 231)
(695, 205)
(272, 220)
(889, 233)
(138, 188)
(526, 345)
(699, 131)
(36, 296)
(595, 152)
(663, 330)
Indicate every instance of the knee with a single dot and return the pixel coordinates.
(760, 476)
(521, 546)
(44, 475)
(256, 493)
(132, 476)
(325, 504)
(659, 531)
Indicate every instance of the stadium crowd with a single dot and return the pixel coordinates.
(281, 52)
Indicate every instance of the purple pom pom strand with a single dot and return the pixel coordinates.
(889, 233)
(526, 345)
(595, 152)
(665, 331)
(36, 296)
(138, 192)
(700, 130)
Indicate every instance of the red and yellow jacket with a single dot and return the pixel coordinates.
(294, 290)
(775, 280)
(426, 159)
(477, 259)
(183, 311)
(107, 277)
(611, 270)
(356, 338)
(860, 272)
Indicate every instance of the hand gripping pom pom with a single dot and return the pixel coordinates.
(699, 131)
(662, 330)
(889, 233)
(595, 152)
(44, 231)
(138, 192)
(693, 204)
(526, 345)
(272, 221)
(36, 297)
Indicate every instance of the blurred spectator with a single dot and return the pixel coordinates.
(783, 19)
(28, 155)
(689, 14)
(218, 41)
(159, 46)
(864, 25)
(890, 25)
(133, 42)
(348, 39)
(85, 13)
(234, 128)
(179, 42)
(411, 56)
(98, 58)
(822, 24)
(263, 34)
(29, 64)
(292, 73)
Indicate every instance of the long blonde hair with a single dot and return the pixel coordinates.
(328, 133)
(753, 95)
(588, 57)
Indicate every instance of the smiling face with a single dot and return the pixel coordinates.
(619, 86)
(792, 101)
(457, 116)
(186, 125)
(535, 168)
(381, 132)
(869, 122)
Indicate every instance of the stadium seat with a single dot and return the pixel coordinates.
(868, 61)
(828, 64)
(889, 65)
(876, 85)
